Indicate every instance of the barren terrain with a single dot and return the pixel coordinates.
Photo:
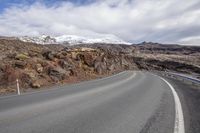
(39, 66)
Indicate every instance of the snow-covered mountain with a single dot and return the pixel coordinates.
(39, 39)
(72, 40)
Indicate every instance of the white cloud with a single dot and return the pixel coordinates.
(190, 40)
(165, 21)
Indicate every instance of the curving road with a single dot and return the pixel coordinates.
(129, 102)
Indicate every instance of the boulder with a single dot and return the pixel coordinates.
(124, 63)
(58, 73)
(111, 67)
(65, 65)
(32, 54)
(48, 55)
(39, 68)
(20, 64)
(44, 63)
(35, 84)
(87, 58)
(73, 72)
(22, 56)
(74, 55)
(100, 67)
(60, 55)
(27, 78)
(11, 55)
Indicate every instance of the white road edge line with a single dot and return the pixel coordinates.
(179, 119)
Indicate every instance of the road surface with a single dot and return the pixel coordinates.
(129, 102)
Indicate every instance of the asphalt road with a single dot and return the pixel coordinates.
(129, 102)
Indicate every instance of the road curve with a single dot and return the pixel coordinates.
(129, 102)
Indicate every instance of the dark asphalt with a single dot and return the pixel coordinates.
(130, 102)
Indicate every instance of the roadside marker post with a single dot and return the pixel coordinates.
(18, 90)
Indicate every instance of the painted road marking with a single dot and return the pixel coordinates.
(179, 120)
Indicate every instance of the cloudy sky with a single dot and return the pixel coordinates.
(165, 21)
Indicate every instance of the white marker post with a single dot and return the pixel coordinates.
(18, 90)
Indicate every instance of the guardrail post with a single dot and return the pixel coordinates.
(18, 90)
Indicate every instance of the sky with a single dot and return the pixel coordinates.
(163, 21)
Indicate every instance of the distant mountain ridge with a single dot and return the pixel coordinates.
(72, 40)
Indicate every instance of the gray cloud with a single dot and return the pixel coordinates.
(165, 21)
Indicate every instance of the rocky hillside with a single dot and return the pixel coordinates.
(40, 66)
